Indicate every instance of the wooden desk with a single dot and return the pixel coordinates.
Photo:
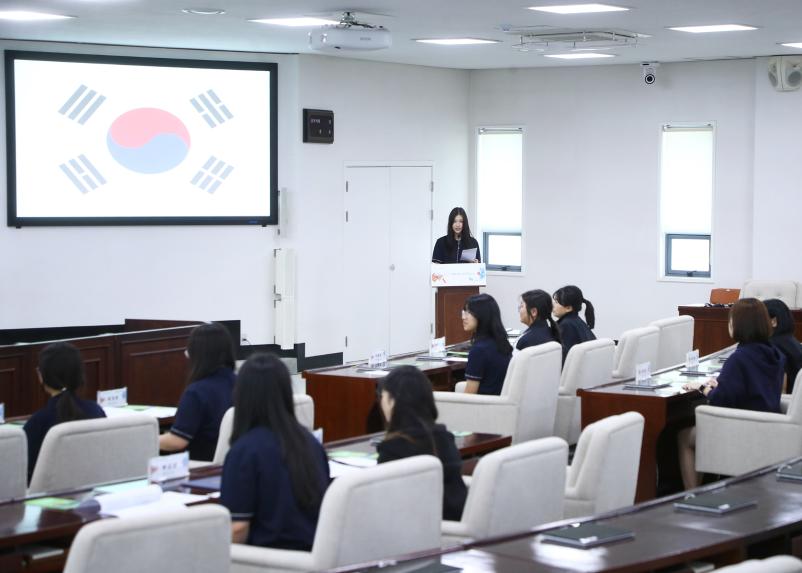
(711, 326)
(345, 397)
(666, 411)
(664, 537)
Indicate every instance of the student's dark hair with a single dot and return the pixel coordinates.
(488, 317)
(209, 347)
(62, 368)
(779, 310)
(572, 296)
(414, 400)
(263, 398)
(541, 301)
(750, 321)
(451, 242)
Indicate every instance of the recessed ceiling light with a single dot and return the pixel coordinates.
(580, 56)
(204, 11)
(297, 22)
(797, 45)
(25, 16)
(579, 8)
(455, 41)
(714, 28)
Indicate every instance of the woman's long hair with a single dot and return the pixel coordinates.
(451, 242)
(779, 311)
(541, 301)
(488, 317)
(572, 296)
(263, 398)
(61, 368)
(209, 348)
(414, 407)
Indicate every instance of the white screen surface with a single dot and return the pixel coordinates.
(107, 140)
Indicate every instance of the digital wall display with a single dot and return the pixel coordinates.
(104, 140)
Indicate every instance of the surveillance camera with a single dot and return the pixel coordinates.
(649, 70)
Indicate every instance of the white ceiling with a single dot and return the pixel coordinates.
(161, 23)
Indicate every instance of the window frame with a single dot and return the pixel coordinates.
(486, 251)
(670, 272)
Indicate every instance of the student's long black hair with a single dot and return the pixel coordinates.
(488, 317)
(414, 407)
(541, 301)
(451, 241)
(209, 348)
(61, 368)
(779, 311)
(572, 296)
(263, 397)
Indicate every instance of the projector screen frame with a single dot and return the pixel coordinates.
(13, 220)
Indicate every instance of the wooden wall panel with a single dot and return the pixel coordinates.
(153, 366)
(17, 385)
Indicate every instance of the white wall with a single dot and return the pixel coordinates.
(591, 179)
(94, 275)
(778, 177)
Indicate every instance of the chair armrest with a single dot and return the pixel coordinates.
(737, 414)
(247, 558)
(785, 403)
(454, 529)
(460, 387)
(472, 399)
(467, 480)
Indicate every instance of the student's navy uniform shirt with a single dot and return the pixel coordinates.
(537, 333)
(442, 254)
(256, 487)
(750, 379)
(201, 410)
(40, 423)
(573, 330)
(487, 366)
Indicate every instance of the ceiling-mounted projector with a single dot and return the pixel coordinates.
(350, 34)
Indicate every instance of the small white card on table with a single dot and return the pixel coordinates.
(2, 413)
(692, 360)
(643, 372)
(163, 468)
(437, 347)
(113, 398)
(378, 359)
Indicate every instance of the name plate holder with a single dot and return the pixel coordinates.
(2, 413)
(437, 347)
(458, 274)
(163, 468)
(378, 359)
(692, 361)
(113, 398)
(643, 379)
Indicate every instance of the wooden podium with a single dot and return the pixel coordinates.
(454, 284)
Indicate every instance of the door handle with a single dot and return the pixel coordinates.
(392, 267)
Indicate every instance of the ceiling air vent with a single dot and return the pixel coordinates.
(575, 40)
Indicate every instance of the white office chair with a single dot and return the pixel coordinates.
(191, 540)
(512, 490)
(775, 564)
(786, 291)
(304, 412)
(88, 452)
(526, 407)
(604, 472)
(390, 509)
(635, 347)
(14, 465)
(587, 365)
(676, 340)
(731, 441)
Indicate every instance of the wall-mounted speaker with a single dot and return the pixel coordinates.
(785, 73)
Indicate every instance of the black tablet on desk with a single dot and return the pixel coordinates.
(714, 502)
(790, 472)
(586, 535)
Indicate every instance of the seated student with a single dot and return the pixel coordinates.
(783, 339)
(490, 352)
(61, 374)
(568, 302)
(207, 395)
(535, 311)
(276, 472)
(750, 379)
(408, 406)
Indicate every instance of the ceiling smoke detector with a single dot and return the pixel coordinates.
(350, 34)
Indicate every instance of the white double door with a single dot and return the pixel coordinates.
(387, 253)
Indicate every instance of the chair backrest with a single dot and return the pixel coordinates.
(676, 340)
(635, 347)
(587, 365)
(304, 412)
(786, 291)
(386, 510)
(516, 488)
(724, 295)
(794, 411)
(86, 452)
(14, 465)
(775, 564)
(533, 382)
(604, 471)
(191, 540)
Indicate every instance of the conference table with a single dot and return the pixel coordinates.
(664, 537)
(26, 528)
(665, 410)
(345, 396)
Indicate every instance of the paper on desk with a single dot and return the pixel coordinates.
(336, 470)
(359, 462)
(455, 359)
(374, 372)
(161, 506)
(120, 487)
(112, 502)
(152, 411)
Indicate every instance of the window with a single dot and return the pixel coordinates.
(499, 196)
(686, 199)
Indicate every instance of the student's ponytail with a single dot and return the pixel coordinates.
(61, 368)
(590, 314)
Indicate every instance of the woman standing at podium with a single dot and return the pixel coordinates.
(449, 248)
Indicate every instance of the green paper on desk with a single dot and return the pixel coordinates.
(53, 503)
